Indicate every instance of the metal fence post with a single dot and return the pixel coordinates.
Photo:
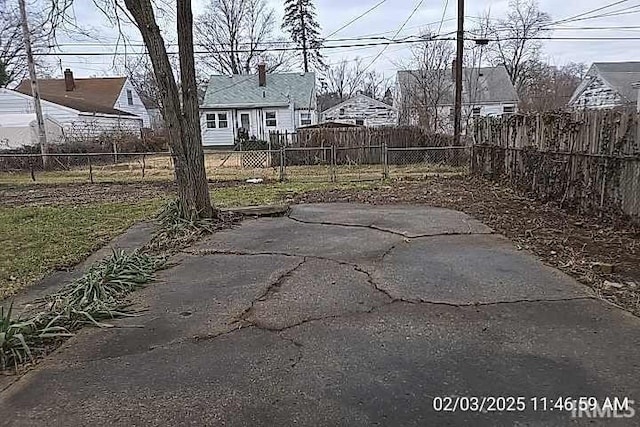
(115, 152)
(282, 165)
(90, 169)
(33, 172)
(385, 161)
(143, 165)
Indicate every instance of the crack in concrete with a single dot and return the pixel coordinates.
(272, 287)
(404, 234)
(484, 304)
(378, 287)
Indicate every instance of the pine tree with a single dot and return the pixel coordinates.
(300, 22)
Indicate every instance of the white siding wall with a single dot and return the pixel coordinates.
(75, 124)
(597, 95)
(89, 126)
(137, 108)
(286, 120)
(363, 108)
(314, 117)
(14, 103)
(217, 136)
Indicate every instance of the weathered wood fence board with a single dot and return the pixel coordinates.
(590, 160)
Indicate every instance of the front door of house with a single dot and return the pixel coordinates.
(244, 121)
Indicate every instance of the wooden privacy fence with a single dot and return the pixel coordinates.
(358, 145)
(589, 160)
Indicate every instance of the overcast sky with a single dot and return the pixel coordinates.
(332, 14)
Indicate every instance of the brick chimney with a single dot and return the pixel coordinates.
(262, 74)
(69, 83)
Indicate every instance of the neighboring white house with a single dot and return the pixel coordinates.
(608, 85)
(361, 110)
(486, 91)
(19, 130)
(85, 107)
(259, 104)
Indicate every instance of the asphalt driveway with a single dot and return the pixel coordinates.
(343, 314)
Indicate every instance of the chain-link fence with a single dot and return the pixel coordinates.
(332, 164)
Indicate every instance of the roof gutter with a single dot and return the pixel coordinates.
(243, 105)
(110, 116)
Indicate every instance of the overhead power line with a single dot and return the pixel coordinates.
(374, 7)
(625, 11)
(444, 12)
(589, 12)
(275, 49)
(413, 12)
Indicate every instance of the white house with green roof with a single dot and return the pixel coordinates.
(259, 104)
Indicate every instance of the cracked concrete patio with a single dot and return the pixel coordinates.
(340, 314)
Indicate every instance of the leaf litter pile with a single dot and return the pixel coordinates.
(601, 251)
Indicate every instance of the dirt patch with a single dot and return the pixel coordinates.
(44, 195)
(572, 242)
(62, 194)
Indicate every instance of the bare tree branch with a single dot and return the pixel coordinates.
(236, 33)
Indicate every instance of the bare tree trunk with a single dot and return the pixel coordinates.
(183, 129)
(193, 175)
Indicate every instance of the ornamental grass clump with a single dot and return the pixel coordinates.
(100, 293)
(176, 232)
(18, 337)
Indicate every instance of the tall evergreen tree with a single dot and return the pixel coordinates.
(300, 22)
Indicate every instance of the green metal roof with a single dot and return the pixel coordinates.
(243, 91)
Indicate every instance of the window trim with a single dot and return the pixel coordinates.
(309, 120)
(511, 107)
(267, 119)
(476, 111)
(360, 120)
(209, 123)
(129, 97)
(225, 121)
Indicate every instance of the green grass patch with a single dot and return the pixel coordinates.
(37, 240)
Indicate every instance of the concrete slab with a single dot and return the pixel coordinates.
(409, 221)
(389, 365)
(260, 210)
(282, 235)
(347, 354)
(383, 367)
(200, 297)
(317, 289)
(470, 269)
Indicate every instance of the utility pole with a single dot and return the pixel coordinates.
(305, 54)
(457, 120)
(35, 90)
